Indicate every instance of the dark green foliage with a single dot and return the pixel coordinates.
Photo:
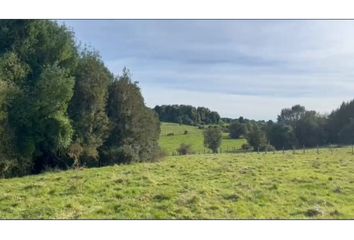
(281, 136)
(37, 60)
(246, 146)
(213, 138)
(346, 134)
(309, 130)
(88, 107)
(40, 118)
(256, 137)
(185, 114)
(340, 123)
(135, 128)
(237, 129)
(54, 104)
(185, 149)
(291, 115)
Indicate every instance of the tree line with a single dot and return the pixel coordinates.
(186, 114)
(61, 107)
(297, 127)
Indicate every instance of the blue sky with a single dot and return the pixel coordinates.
(250, 68)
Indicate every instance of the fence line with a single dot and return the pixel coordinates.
(318, 149)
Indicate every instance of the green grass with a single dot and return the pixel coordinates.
(224, 186)
(194, 137)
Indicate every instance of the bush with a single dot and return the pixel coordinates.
(266, 147)
(185, 149)
(120, 155)
(185, 132)
(15, 167)
(170, 134)
(246, 146)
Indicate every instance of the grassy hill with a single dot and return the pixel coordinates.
(223, 186)
(193, 137)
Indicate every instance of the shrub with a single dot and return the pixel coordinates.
(170, 134)
(185, 132)
(185, 149)
(266, 147)
(246, 146)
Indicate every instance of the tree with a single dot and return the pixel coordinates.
(281, 136)
(256, 137)
(43, 127)
(310, 131)
(185, 114)
(213, 138)
(291, 115)
(237, 129)
(88, 107)
(39, 57)
(346, 134)
(58, 105)
(135, 128)
(338, 120)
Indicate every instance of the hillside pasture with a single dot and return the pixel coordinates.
(276, 185)
(169, 143)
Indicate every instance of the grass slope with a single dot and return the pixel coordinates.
(225, 186)
(194, 137)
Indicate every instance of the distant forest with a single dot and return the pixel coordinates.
(296, 127)
(186, 114)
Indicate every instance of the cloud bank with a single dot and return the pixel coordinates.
(249, 68)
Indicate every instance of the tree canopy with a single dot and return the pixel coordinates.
(186, 114)
(60, 106)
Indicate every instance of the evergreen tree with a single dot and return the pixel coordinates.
(39, 57)
(135, 128)
(88, 108)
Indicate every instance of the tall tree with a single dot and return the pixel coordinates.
(40, 57)
(213, 138)
(88, 107)
(237, 129)
(282, 136)
(135, 128)
(256, 137)
(291, 115)
(338, 120)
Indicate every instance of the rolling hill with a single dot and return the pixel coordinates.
(193, 137)
(221, 186)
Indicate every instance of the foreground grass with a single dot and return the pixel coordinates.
(194, 137)
(225, 186)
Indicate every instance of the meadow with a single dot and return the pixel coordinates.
(194, 137)
(276, 185)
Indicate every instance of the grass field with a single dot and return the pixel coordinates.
(223, 186)
(194, 137)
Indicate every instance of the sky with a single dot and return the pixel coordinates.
(249, 68)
